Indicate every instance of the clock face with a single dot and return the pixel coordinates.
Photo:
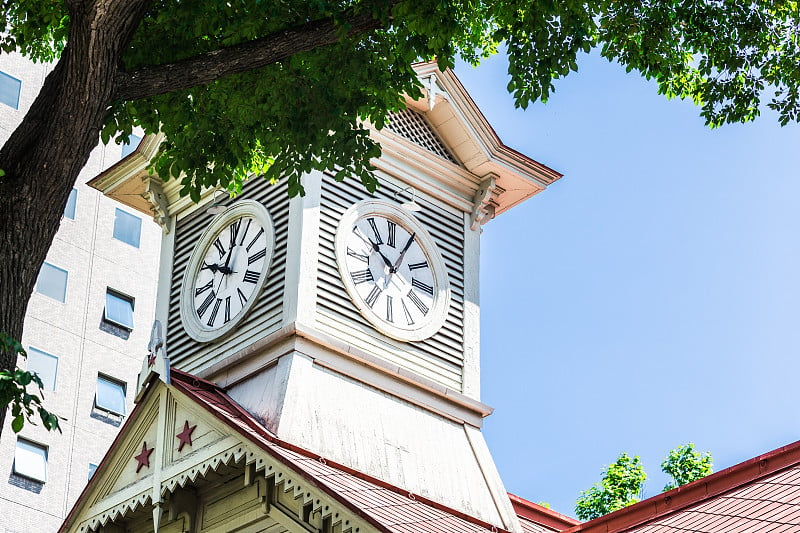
(227, 270)
(392, 270)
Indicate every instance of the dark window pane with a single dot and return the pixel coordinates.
(45, 365)
(52, 282)
(72, 202)
(110, 395)
(119, 309)
(9, 90)
(127, 227)
(131, 145)
(30, 460)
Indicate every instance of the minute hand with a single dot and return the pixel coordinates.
(403, 253)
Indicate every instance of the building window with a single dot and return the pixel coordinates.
(92, 469)
(131, 145)
(127, 227)
(52, 282)
(72, 202)
(110, 395)
(45, 365)
(9, 90)
(119, 309)
(30, 460)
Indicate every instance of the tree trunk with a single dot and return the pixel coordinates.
(45, 154)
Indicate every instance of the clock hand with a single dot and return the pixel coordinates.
(385, 259)
(212, 267)
(375, 248)
(403, 253)
(226, 269)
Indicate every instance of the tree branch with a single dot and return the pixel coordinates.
(159, 79)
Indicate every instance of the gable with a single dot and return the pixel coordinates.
(166, 437)
(414, 127)
(235, 475)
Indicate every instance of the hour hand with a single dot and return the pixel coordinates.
(386, 260)
(212, 267)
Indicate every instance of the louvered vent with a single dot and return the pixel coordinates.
(440, 357)
(265, 316)
(416, 129)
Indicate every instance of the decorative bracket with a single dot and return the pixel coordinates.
(431, 84)
(482, 204)
(154, 195)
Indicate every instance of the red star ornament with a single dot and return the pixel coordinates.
(144, 457)
(185, 436)
(151, 360)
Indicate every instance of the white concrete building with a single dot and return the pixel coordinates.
(87, 324)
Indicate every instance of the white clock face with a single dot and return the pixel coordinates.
(392, 270)
(227, 270)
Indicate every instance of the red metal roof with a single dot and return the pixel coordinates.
(757, 496)
(389, 508)
(536, 518)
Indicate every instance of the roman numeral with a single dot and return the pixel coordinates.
(389, 316)
(409, 320)
(207, 302)
(260, 232)
(416, 301)
(220, 248)
(242, 297)
(256, 256)
(361, 276)
(392, 230)
(372, 297)
(235, 231)
(422, 286)
(250, 276)
(417, 266)
(374, 227)
(227, 308)
(244, 233)
(360, 235)
(213, 316)
(200, 290)
(360, 257)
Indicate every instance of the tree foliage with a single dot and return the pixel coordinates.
(281, 88)
(621, 485)
(14, 393)
(685, 464)
(304, 111)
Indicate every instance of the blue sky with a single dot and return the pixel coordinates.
(649, 298)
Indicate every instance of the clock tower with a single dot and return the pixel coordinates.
(347, 323)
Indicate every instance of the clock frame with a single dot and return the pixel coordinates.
(216, 296)
(392, 270)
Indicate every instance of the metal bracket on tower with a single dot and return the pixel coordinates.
(483, 208)
(431, 84)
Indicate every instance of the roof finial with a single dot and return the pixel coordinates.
(156, 363)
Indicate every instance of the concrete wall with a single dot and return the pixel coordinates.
(73, 331)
